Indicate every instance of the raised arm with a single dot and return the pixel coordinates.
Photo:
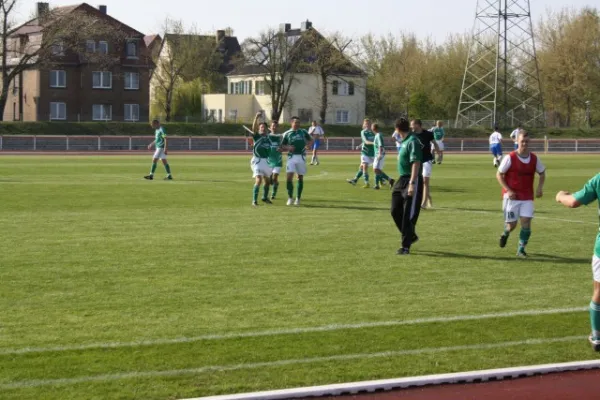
(255, 123)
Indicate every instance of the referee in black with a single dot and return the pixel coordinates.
(407, 193)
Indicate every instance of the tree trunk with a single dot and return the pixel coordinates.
(3, 100)
(168, 101)
(324, 99)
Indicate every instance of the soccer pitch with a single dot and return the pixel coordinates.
(115, 287)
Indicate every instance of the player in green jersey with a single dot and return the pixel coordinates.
(367, 154)
(275, 158)
(259, 164)
(587, 195)
(160, 142)
(379, 161)
(438, 135)
(296, 141)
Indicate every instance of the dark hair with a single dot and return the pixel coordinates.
(155, 121)
(263, 123)
(275, 122)
(294, 117)
(314, 122)
(402, 125)
(375, 127)
(418, 122)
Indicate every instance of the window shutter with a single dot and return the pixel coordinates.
(334, 87)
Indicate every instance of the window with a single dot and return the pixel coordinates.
(16, 85)
(58, 111)
(260, 87)
(132, 112)
(103, 47)
(250, 87)
(342, 88)
(102, 112)
(232, 115)
(131, 49)
(342, 117)
(58, 49)
(334, 87)
(132, 80)
(231, 88)
(58, 79)
(350, 88)
(305, 115)
(90, 46)
(102, 80)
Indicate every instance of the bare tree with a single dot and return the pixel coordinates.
(47, 40)
(275, 55)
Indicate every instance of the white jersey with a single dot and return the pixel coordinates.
(397, 139)
(316, 130)
(495, 138)
(515, 134)
(505, 164)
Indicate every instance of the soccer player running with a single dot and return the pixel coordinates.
(516, 175)
(317, 134)
(496, 146)
(438, 135)
(408, 189)
(160, 142)
(296, 141)
(367, 154)
(261, 171)
(379, 161)
(587, 195)
(514, 136)
(427, 140)
(275, 159)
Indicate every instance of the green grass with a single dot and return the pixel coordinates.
(93, 254)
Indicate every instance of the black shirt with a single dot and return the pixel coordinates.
(426, 137)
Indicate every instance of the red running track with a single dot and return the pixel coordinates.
(577, 385)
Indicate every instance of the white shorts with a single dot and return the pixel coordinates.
(515, 209)
(596, 268)
(366, 159)
(159, 154)
(260, 167)
(277, 170)
(379, 164)
(427, 166)
(296, 164)
(440, 145)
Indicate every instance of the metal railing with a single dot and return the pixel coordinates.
(240, 143)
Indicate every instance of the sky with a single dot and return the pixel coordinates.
(425, 18)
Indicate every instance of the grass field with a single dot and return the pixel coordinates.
(113, 287)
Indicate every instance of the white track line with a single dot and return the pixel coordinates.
(268, 364)
(291, 331)
(500, 213)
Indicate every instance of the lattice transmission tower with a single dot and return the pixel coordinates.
(501, 84)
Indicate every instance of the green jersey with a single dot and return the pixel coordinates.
(589, 193)
(438, 133)
(298, 140)
(411, 152)
(159, 138)
(262, 146)
(367, 149)
(275, 158)
(378, 145)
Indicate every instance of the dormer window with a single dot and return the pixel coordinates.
(90, 46)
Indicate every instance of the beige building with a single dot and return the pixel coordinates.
(248, 93)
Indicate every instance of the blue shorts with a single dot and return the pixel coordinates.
(496, 149)
(316, 144)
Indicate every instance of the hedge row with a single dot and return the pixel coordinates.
(197, 129)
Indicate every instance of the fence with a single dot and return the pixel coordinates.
(239, 143)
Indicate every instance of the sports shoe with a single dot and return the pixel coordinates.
(377, 187)
(392, 182)
(351, 181)
(429, 203)
(266, 201)
(367, 186)
(503, 240)
(521, 253)
(403, 251)
(149, 177)
(595, 343)
(254, 204)
(312, 163)
(317, 163)
(272, 197)
(168, 178)
(297, 202)
(433, 162)
(290, 201)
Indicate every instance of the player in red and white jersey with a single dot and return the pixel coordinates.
(516, 175)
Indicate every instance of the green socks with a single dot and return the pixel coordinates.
(266, 192)
(255, 193)
(168, 169)
(275, 187)
(366, 178)
(358, 174)
(595, 320)
(153, 168)
(300, 188)
(384, 177)
(290, 189)
(377, 179)
(524, 237)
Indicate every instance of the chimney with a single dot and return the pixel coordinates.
(306, 26)
(220, 35)
(285, 27)
(42, 10)
(102, 9)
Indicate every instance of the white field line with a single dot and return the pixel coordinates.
(291, 331)
(500, 213)
(224, 368)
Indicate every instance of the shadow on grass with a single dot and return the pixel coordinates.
(343, 207)
(545, 258)
(435, 189)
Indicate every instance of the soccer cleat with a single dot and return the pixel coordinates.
(521, 253)
(351, 181)
(503, 240)
(392, 182)
(403, 251)
(317, 163)
(254, 204)
(595, 343)
(149, 177)
(169, 178)
(377, 187)
(312, 163)
(272, 198)
(433, 162)
(290, 201)
(367, 186)
(297, 202)
(266, 201)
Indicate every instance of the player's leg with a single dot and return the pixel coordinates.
(275, 181)
(427, 169)
(366, 162)
(377, 173)
(595, 306)
(267, 171)
(167, 167)
(300, 172)
(397, 207)
(358, 175)
(290, 171)
(441, 145)
(511, 216)
(256, 188)
(410, 217)
(417, 211)
(158, 154)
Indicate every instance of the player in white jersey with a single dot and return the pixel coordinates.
(515, 136)
(317, 134)
(496, 146)
(398, 140)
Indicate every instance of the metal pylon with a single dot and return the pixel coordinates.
(501, 84)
